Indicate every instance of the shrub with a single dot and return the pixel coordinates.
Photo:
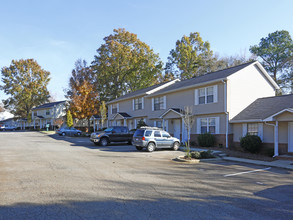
(202, 154)
(251, 143)
(206, 140)
(195, 154)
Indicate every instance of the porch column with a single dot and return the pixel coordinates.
(124, 122)
(163, 122)
(34, 124)
(94, 125)
(276, 148)
(24, 125)
(183, 131)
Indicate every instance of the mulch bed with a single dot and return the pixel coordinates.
(241, 154)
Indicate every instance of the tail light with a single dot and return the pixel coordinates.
(143, 138)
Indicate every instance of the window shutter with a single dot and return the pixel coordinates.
(117, 107)
(133, 104)
(111, 108)
(198, 130)
(217, 125)
(260, 130)
(165, 104)
(155, 123)
(196, 97)
(153, 104)
(135, 124)
(142, 102)
(244, 129)
(215, 90)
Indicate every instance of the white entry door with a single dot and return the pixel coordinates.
(177, 129)
(290, 136)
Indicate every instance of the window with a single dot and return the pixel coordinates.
(138, 104)
(148, 133)
(252, 129)
(157, 134)
(48, 112)
(165, 134)
(159, 103)
(206, 95)
(208, 125)
(35, 114)
(158, 124)
(114, 108)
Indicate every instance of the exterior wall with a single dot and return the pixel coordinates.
(268, 136)
(244, 87)
(286, 116)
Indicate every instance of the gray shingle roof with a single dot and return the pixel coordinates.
(265, 107)
(48, 105)
(136, 93)
(202, 79)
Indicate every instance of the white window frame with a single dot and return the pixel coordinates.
(208, 119)
(117, 108)
(161, 103)
(252, 128)
(138, 102)
(197, 95)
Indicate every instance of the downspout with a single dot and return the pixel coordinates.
(226, 113)
(276, 138)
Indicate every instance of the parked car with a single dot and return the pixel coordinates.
(7, 128)
(112, 134)
(152, 138)
(69, 131)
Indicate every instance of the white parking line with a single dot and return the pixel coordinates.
(251, 171)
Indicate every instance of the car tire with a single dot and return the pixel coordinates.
(176, 146)
(78, 133)
(104, 142)
(63, 134)
(138, 148)
(96, 143)
(151, 147)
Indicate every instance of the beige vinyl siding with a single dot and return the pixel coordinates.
(244, 87)
(286, 116)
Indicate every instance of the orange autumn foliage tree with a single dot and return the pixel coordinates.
(84, 99)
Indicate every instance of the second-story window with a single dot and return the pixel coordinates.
(159, 103)
(114, 108)
(48, 112)
(206, 95)
(35, 114)
(138, 104)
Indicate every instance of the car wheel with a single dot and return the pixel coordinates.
(104, 142)
(96, 143)
(151, 147)
(138, 148)
(63, 134)
(78, 134)
(176, 146)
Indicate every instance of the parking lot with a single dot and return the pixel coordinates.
(53, 177)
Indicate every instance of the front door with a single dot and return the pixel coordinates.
(177, 128)
(290, 136)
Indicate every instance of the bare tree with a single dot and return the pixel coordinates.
(188, 119)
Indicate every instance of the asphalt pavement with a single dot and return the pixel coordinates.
(52, 177)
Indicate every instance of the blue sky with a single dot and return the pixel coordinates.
(58, 32)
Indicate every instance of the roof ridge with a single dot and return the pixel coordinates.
(213, 72)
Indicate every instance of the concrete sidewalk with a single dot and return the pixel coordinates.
(285, 164)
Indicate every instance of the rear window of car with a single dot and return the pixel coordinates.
(157, 134)
(148, 133)
(139, 133)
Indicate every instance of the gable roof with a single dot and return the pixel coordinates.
(145, 91)
(207, 78)
(48, 105)
(264, 108)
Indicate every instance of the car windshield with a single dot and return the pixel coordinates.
(139, 133)
(108, 129)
